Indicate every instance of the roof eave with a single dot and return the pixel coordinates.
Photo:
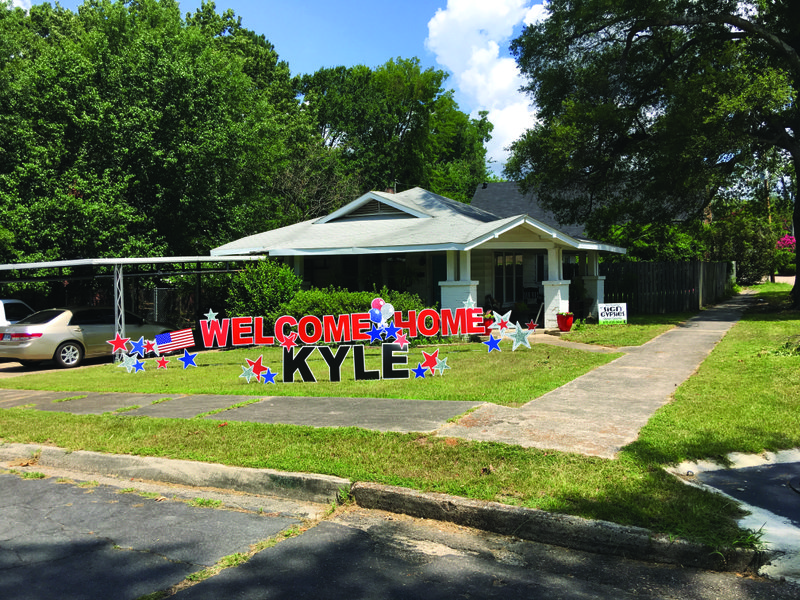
(356, 250)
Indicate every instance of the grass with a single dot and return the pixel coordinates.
(205, 503)
(741, 399)
(745, 397)
(625, 491)
(639, 330)
(545, 368)
(56, 401)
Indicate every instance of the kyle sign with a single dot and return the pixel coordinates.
(342, 329)
(349, 332)
(610, 314)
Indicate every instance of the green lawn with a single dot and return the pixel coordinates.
(639, 330)
(516, 377)
(745, 397)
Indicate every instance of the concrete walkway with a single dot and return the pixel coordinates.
(600, 412)
(380, 414)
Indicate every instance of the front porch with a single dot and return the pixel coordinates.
(526, 282)
(518, 280)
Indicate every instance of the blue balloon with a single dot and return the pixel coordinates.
(375, 315)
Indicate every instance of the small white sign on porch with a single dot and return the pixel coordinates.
(612, 314)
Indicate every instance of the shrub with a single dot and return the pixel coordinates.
(319, 302)
(786, 247)
(337, 301)
(261, 288)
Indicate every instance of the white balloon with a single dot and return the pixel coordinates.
(387, 311)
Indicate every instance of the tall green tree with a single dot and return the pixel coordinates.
(647, 107)
(129, 130)
(397, 124)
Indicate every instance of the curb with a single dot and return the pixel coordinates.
(577, 533)
(323, 489)
(600, 537)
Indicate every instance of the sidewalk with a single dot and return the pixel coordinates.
(602, 411)
(380, 414)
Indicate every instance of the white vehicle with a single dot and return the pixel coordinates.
(12, 311)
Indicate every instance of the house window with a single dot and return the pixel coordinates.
(508, 277)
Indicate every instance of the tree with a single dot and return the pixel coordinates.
(397, 125)
(743, 223)
(655, 242)
(129, 131)
(458, 153)
(738, 232)
(647, 107)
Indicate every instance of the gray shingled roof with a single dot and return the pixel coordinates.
(418, 200)
(504, 200)
(416, 221)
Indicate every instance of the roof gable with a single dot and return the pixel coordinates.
(374, 205)
(414, 203)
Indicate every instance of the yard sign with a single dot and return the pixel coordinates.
(381, 324)
(613, 314)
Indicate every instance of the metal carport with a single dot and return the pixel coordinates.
(118, 264)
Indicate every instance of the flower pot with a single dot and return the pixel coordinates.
(564, 322)
(486, 324)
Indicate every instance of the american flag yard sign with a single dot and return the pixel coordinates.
(175, 340)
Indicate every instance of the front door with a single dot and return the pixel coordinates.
(508, 278)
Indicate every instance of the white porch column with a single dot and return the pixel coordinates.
(452, 265)
(593, 264)
(556, 300)
(556, 289)
(554, 267)
(458, 287)
(465, 266)
(595, 286)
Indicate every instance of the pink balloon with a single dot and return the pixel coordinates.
(378, 303)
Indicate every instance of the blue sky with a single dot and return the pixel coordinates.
(467, 38)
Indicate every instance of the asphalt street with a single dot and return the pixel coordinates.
(65, 538)
(773, 487)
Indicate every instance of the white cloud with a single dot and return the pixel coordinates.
(509, 123)
(536, 14)
(470, 39)
(26, 4)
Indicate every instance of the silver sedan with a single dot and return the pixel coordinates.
(68, 335)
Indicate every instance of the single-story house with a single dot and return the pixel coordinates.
(443, 250)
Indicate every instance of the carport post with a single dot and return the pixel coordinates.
(119, 307)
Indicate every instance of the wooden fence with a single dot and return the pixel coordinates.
(655, 288)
